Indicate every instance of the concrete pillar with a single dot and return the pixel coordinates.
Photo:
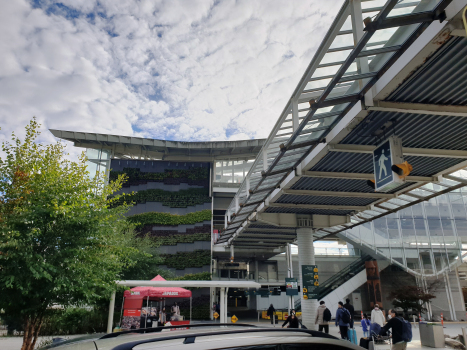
(256, 271)
(306, 256)
(222, 305)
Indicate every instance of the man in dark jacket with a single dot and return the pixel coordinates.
(351, 309)
(292, 320)
(270, 313)
(396, 324)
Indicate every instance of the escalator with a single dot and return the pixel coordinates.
(339, 279)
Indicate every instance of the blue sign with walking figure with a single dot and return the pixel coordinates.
(382, 162)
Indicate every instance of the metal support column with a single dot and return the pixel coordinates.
(306, 256)
(256, 271)
(111, 313)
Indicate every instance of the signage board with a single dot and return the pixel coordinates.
(234, 319)
(291, 286)
(310, 278)
(385, 156)
(215, 315)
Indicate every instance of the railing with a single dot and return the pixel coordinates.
(338, 251)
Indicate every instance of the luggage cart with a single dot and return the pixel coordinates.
(380, 342)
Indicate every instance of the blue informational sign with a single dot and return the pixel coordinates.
(382, 162)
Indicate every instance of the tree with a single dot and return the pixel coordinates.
(411, 297)
(62, 242)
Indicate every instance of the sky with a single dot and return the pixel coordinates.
(192, 70)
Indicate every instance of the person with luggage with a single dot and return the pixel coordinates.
(366, 326)
(401, 331)
(342, 320)
(271, 312)
(292, 320)
(377, 316)
(351, 309)
(323, 316)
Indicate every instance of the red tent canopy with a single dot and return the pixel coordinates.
(157, 292)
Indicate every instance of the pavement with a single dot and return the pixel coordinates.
(452, 329)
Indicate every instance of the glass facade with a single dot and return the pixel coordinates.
(231, 171)
(98, 162)
(425, 238)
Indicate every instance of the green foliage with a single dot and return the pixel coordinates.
(60, 240)
(182, 260)
(135, 174)
(410, 297)
(197, 313)
(180, 199)
(145, 261)
(202, 276)
(154, 218)
(183, 238)
(74, 321)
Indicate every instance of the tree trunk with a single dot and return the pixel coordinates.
(32, 326)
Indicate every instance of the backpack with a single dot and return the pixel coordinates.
(345, 315)
(327, 315)
(406, 330)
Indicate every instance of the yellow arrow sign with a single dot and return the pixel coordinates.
(234, 319)
(216, 315)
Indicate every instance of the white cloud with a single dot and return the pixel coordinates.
(186, 70)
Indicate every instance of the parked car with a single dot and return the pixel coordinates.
(212, 336)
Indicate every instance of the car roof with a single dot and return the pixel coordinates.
(212, 337)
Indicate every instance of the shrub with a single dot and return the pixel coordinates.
(154, 218)
(180, 199)
(182, 260)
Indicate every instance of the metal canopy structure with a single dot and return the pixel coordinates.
(126, 147)
(405, 75)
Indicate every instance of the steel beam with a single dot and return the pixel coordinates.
(319, 206)
(407, 151)
(360, 176)
(338, 194)
(420, 108)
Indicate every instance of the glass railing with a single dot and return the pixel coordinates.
(338, 251)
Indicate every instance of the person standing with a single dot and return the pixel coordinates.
(270, 313)
(366, 326)
(162, 316)
(396, 323)
(175, 310)
(377, 316)
(292, 320)
(342, 320)
(351, 310)
(323, 317)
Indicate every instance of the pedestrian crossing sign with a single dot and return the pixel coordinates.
(216, 315)
(234, 319)
(384, 156)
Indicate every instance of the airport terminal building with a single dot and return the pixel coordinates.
(361, 178)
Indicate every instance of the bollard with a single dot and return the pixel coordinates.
(419, 317)
(361, 312)
(442, 319)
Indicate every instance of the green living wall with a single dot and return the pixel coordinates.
(180, 199)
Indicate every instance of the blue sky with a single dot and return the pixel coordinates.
(193, 70)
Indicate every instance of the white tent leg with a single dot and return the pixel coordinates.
(111, 312)
(191, 299)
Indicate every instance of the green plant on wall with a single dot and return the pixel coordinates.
(182, 238)
(180, 199)
(183, 260)
(135, 174)
(154, 218)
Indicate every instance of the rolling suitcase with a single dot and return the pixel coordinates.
(352, 335)
(365, 342)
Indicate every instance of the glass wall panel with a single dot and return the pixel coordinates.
(381, 236)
